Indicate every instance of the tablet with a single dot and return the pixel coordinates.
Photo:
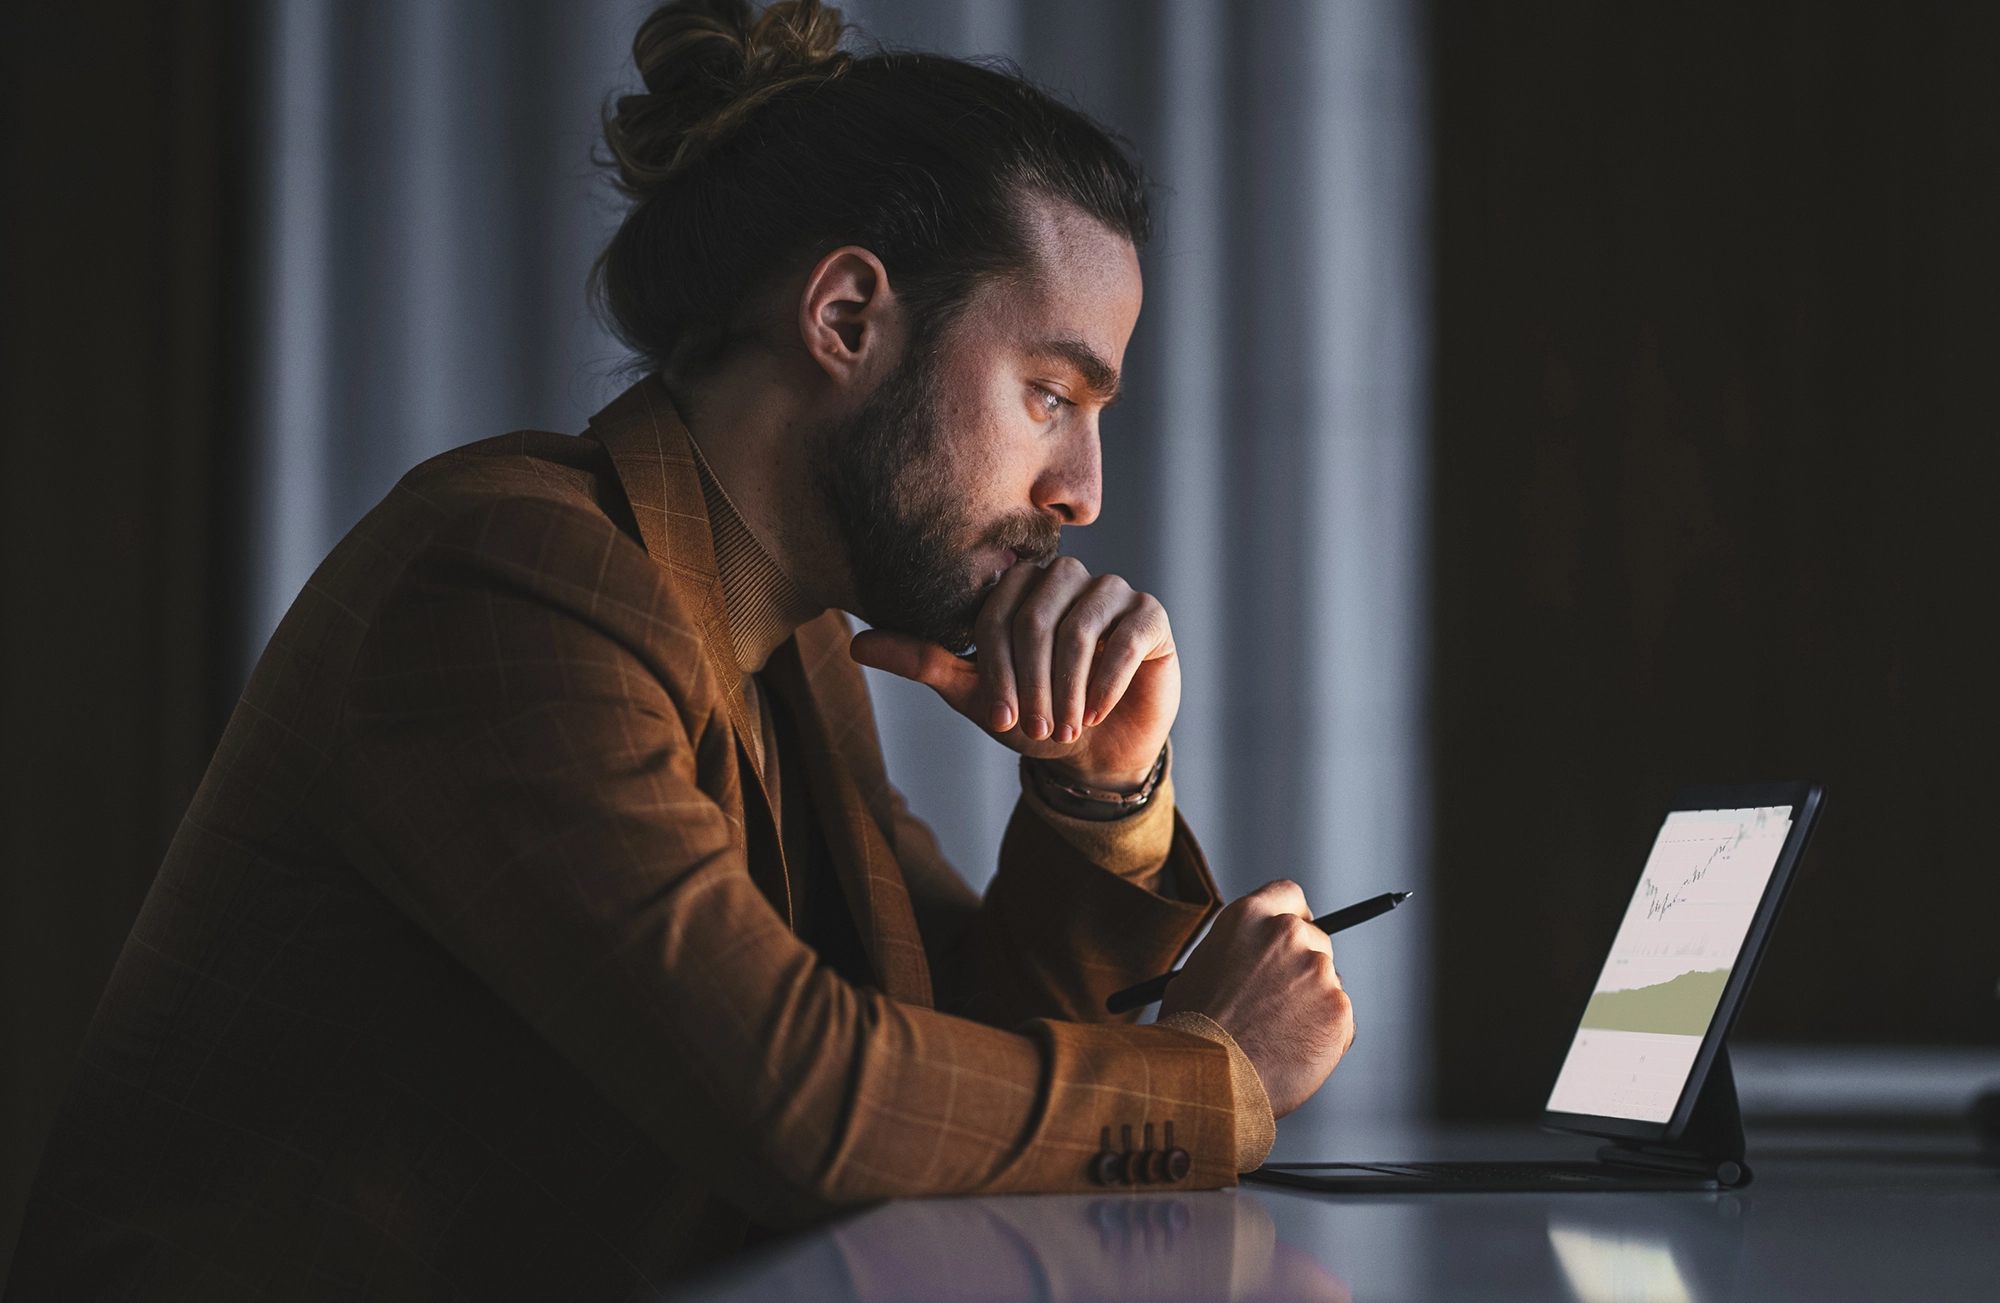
(1684, 955)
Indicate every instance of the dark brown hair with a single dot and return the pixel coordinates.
(759, 145)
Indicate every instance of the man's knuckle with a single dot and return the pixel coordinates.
(1126, 637)
(1033, 621)
(1140, 622)
(1075, 634)
(1090, 607)
(1289, 931)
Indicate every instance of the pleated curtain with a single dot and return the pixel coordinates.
(428, 211)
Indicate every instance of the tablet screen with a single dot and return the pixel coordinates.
(1683, 933)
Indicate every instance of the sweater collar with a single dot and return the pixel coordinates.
(765, 606)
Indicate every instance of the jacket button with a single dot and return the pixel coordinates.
(1148, 1164)
(1175, 1162)
(1106, 1167)
(1135, 1160)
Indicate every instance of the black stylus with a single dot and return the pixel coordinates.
(1132, 997)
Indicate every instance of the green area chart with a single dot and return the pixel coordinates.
(1679, 1007)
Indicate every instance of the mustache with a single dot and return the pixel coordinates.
(1031, 536)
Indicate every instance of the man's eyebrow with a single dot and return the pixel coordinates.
(1099, 376)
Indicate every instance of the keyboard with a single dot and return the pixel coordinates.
(1490, 1178)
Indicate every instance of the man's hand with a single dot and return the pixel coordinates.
(1072, 669)
(1265, 973)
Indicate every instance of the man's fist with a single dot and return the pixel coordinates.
(1266, 975)
(1074, 669)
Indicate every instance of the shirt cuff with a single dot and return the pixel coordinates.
(1134, 847)
(1256, 1129)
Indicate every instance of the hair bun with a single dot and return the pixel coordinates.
(708, 65)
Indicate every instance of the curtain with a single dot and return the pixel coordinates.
(429, 212)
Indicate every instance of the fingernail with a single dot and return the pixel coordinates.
(1038, 728)
(1003, 717)
(1090, 720)
(1065, 734)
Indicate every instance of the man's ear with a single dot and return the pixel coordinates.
(849, 318)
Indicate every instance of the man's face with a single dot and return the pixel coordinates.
(984, 442)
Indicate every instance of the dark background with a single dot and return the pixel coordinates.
(1715, 464)
(118, 229)
(1713, 448)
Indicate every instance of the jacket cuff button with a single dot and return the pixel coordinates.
(1177, 1162)
(1107, 1167)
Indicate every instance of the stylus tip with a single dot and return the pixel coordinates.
(1402, 896)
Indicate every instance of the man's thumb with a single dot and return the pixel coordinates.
(954, 678)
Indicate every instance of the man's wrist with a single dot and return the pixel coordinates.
(1121, 783)
(1088, 801)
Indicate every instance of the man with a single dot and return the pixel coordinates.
(546, 923)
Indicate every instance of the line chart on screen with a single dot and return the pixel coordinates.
(1672, 957)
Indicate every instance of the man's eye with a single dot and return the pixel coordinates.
(1052, 403)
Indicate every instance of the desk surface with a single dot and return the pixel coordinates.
(1829, 1217)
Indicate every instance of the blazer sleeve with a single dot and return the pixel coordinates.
(1058, 929)
(527, 748)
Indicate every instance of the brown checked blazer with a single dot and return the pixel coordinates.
(470, 972)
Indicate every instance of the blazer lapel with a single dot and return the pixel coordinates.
(649, 446)
(859, 840)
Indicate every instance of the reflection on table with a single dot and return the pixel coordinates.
(1649, 1252)
(1198, 1246)
(1832, 1217)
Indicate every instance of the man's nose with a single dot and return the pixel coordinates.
(1071, 485)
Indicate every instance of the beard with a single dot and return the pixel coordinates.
(885, 475)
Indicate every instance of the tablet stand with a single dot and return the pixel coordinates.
(1710, 1146)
